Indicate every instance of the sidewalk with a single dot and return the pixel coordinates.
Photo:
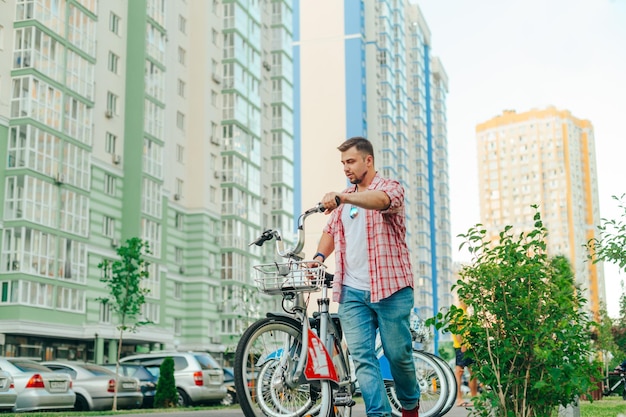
(457, 412)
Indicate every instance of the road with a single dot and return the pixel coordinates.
(357, 411)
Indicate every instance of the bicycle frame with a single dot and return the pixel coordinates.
(326, 359)
(620, 381)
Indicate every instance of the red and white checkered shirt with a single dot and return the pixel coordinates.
(387, 253)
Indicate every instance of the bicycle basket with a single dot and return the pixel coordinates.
(289, 277)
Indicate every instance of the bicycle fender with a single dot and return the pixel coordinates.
(319, 366)
(385, 368)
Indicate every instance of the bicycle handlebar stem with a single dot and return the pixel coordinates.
(295, 252)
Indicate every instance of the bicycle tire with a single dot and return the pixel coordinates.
(433, 387)
(451, 381)
(259, 369)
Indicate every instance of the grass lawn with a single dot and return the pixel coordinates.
(607, 407)
(613, 406)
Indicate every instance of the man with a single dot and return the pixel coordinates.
(373, 278)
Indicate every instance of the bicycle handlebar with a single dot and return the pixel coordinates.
(270, 234)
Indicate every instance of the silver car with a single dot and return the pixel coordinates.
(95, 386)
(37, 387)
(199, 378)
(8, 395)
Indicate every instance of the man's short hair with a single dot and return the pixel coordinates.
(362, 145)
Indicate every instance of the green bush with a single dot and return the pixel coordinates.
(526, 325)
(166, 394)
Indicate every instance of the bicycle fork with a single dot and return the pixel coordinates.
(321, 363)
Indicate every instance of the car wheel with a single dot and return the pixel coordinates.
(229, 399)
(81, 403)
(183, 398)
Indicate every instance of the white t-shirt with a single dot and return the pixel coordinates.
(356, 269)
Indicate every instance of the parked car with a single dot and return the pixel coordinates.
(148, 378)
(37, 387)
(94, 386)
(8, 395)
(229, 383)
(199, 378)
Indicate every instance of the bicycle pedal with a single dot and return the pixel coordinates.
(343, 399)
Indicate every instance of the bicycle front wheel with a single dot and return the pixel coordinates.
(433, 387)
(266, 357)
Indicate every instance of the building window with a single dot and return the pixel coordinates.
(178, 290)
(113, 61)
(178, 256)
(180, 151)
(114, 23)
(151, 312)
(215, 37)
(110, 141)
(182, 24)
(108, 226)
(181, 88)
(111, 103)
(109, 184)
(105, 312)
(178, 327)
(180, 120)
(178, 221)
(10, 291)
(214, 97)
(182, 55)
(179, 186)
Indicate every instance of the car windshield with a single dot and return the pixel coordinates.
(139, 372)
(28, 366)
(207, 362)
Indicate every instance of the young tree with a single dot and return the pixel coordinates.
(166, 394)
(610, 246)
(126, 297)
(526, 325)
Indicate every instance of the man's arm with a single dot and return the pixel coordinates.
(325, 247)
(369, 199)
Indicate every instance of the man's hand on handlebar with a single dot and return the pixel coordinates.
(331, 201)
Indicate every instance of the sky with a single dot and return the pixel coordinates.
(531, 54)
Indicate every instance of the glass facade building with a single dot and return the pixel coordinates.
(369, 71)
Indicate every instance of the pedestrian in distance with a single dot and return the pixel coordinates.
(462, 362)
(373, 276)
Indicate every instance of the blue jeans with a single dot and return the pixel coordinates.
(359, 319)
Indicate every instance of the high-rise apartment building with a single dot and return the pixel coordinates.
(171, 121)
(545, 158)
(368, 71)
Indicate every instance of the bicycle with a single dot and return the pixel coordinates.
(289, 364)
(619, 385)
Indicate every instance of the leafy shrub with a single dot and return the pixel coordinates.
(527, 326)
(166, 394)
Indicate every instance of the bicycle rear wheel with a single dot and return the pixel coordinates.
(433, 387)
(450, 380)
(266, 354)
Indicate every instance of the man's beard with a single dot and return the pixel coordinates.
(357, 181)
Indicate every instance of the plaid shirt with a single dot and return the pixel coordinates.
(387, 252)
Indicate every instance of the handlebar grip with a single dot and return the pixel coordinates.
(337, 200)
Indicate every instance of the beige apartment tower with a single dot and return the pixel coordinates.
(545, 158)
